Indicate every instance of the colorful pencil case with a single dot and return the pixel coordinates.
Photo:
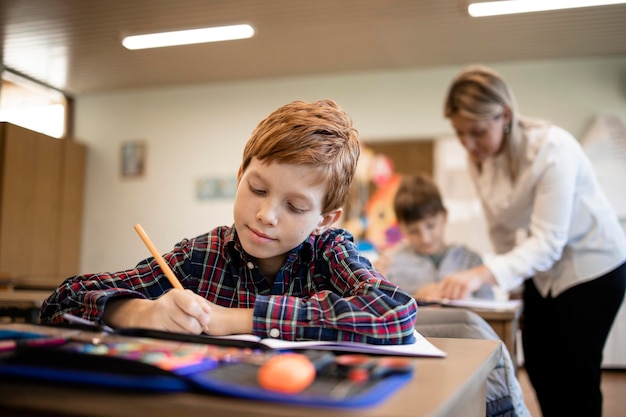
(146, 364)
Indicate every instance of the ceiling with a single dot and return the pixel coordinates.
(74, 45)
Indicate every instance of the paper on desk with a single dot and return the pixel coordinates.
(483, 304)
(421, 346)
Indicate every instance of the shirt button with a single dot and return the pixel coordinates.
(250, 265)
(274, 333)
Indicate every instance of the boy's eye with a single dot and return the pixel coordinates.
(429, 225)
(255, 190)
(295, 209)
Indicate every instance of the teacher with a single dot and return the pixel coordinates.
(552, 229)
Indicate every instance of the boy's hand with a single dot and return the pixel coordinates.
(224, 321)
(178, 311)
(175, 311)
(382, 263)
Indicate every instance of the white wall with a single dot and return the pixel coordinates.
(198, 131)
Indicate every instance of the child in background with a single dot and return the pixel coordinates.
(281, 270)
(423, 258)
(420, 261)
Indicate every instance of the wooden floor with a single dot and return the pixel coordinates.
(613, 390)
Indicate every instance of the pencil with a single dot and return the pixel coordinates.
(157, 256)
(11, 345)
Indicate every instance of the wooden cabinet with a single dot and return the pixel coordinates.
(41, 202)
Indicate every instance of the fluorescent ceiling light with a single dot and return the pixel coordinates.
(494, 8)
(187, 37)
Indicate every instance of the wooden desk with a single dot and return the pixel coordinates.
(441, 387)
(22, 303)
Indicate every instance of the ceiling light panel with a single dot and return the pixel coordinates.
(495, 8)
(188, 37)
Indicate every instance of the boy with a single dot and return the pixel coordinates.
(281, 270)
(418, 264)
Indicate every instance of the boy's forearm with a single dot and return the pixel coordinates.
(120, 312)
(225, 321)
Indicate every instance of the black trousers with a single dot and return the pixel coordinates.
(563, 339)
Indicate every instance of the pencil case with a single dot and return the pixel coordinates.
(145, 364)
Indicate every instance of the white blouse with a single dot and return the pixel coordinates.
(571, 232)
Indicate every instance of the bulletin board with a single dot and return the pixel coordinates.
(408, 156)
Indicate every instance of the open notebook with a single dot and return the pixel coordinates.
(420, 347)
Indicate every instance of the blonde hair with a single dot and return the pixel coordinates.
(480, 93)
(317, 134)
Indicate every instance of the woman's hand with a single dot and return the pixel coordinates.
(429, 292)
(462, 284)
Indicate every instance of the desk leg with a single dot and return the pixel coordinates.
(510, 340)
(507, 330)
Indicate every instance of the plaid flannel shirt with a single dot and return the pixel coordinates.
(325, 290)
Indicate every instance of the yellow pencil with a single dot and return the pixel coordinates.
(157, 256)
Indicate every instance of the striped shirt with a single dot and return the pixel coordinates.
(324, 291)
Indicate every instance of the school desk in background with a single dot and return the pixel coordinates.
(19, 304)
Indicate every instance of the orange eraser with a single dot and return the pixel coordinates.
(289, 373)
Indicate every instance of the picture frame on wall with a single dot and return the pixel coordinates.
(133, 158)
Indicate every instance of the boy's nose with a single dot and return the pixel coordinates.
(426, 238)
(267, 214)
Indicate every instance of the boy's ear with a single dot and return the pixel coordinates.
(326, 220)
